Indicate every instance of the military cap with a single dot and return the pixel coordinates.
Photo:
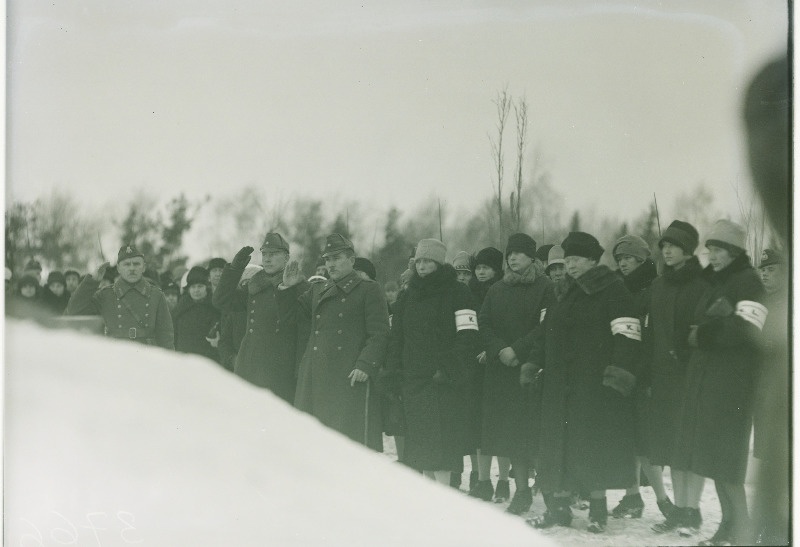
(770, 257)
(33, 265)
(128, 251)
(274, 242)
(336, 243)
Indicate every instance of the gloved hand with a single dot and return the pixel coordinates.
(508, 357)
(242, 258)
(527, 374)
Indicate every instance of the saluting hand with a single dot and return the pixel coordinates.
(242, 258)
(357, 375)
(292, 274)
(101, 271)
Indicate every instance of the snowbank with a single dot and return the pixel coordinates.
(113, 443)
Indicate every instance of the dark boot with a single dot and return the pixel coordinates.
(483, 490)
(521, 502)
(666, 507)
(598, 515)
(673, 521)
(455, 480)
(630, 507)
(473, 479)
(558, 513)
(502, 492)
(691, 522)
(723, 535)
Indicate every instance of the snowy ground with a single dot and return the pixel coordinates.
(113, 443)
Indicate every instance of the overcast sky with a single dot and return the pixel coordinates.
(380, 103)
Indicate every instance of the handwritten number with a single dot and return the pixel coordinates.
(73, 537)
(37, 538)
(128, 526)
(93, 527)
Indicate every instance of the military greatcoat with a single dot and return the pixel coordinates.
(346, 324)
(136, 311)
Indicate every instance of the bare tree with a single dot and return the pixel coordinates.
(521, 116)
(502, 104)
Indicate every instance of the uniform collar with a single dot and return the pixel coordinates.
(121, 287)
(349, 282)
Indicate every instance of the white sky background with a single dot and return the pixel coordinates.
(378, 103)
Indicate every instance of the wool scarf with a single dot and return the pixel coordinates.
(526, 277)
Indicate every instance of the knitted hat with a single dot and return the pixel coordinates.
(728, 235)
(461, 261)
(196, 275)
(28, 280)
(555, 256)
(432, 249)
(682, 234)
(33, 265)
(543, 251)
(631, 245)
(364, 265)
(770, 257)
(490, 257)
(273, 241)
(336, 243)
(56, 277)
(582, 244)
(216, 263)
(521, 243)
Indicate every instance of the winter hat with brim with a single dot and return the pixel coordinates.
(555, 256)
(56, 277)
(490, 257)
(521, 243)
(197, 275)
(727, 235)
(432, 249)
(543, 252)
(365, 265)
(461, 262)
(28, 281)
(682, 234)
(582, 244)
(770, 257)
(216, 263)
(633, 246)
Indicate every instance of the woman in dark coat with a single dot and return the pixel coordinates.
(589, 349)
(632, 255)
(54, 295)
(673, 298)
(509, 317)
(194, 316)
(434, 343)
(716, 418)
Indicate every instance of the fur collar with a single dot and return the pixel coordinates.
(261, 280)
(433, 283)
(740, 263)
(641, 277)
(596, 279)
(689, 271)
(527, 277)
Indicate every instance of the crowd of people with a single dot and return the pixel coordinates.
(578, 378)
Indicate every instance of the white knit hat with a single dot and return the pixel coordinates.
(432, 249)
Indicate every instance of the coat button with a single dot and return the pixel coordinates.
(252, 320)
(147, 305)
(341, 315)
(119, 317)
(318, 316)
(343, 299)
(339, 348)
(120, 326)
(340, 332)
(315, 348)
(252, 311)
(254, 301)
(147, 315)
(251, 330)
(316, 332)
(277, 330)
(119, 305)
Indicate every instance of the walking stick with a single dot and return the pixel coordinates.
(366, 416)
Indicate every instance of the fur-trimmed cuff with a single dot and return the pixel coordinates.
(619, 379)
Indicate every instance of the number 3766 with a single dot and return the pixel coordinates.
(99, 526)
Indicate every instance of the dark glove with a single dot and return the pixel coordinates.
(242, 258)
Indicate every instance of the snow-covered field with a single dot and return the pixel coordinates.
(113, 443)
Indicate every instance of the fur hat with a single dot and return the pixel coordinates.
(490, 257)
(364, 265)
(543, 252)
(631, 245)
(432, 249)
(28, 280)
(521, 243)
(216, 263)
(197, 275)
(728, 235)
(582, 244)
(56, 277)
(682, 234)
(461, 261)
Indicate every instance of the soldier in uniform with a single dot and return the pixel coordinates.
(132, 308)
(346, 323)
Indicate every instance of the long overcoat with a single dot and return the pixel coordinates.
(346, 325)
(510, 316)
(673, 298)
(136, 311)
(590, 342)
(268, 352)
(192, 321)
(716, 417)
(436, 360)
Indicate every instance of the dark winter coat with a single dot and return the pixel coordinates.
(232, 326)
(510, 316)
(716, 417)
(673, 298)
(136, 312)
(346, 325)
(587, 428)
(436, 362)
(192, 321)
(53, 303)
(268, 352)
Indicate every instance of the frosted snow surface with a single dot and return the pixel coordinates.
(114, 443)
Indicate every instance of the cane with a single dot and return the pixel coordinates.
(366, 416)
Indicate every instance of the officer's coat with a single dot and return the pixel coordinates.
(347, 327)
(146, 301)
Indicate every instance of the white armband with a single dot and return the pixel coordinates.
(752, 312)
(542, 314)
(627, 326)
(466, 320)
